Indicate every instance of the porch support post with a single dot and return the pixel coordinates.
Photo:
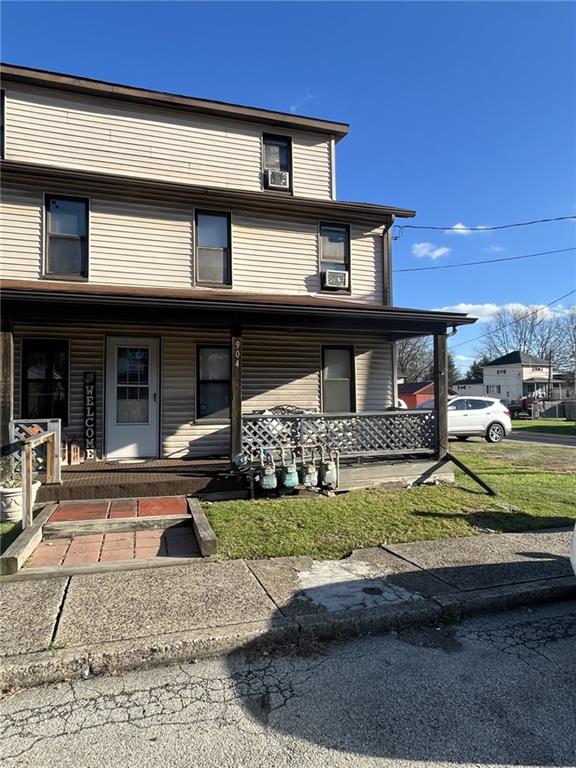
(441, 393)
(6, 380)
(236, 392)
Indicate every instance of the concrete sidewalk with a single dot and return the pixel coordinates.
(67, 627)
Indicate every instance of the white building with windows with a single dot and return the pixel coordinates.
(516, 375)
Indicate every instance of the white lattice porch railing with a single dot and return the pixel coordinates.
(386, 433)
(24, 429)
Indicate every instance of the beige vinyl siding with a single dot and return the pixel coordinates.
(21, 234)
(279, 367)
(90, 133)
(132, 244)
(282, 257)
(181, 434)
(152, 244)
(284, 368)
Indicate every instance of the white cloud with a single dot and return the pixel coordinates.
(464, 358)
(486, 312)
(462, 229)
(297, 106)
(429, 251)
(494, 249)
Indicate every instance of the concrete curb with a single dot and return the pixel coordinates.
(51, 666)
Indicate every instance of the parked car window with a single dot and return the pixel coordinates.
(213, 263)
(458, 405)
(476, 405)
(338, 380)
(45, 379)
(66, 237)
(213, 389)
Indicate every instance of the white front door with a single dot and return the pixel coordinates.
(132, 398)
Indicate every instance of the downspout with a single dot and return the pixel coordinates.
(387, 297)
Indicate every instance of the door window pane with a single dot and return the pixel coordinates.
(338, 380)
(45, 379)
(213, 382)
(132, 393)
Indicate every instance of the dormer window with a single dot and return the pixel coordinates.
(277, 162)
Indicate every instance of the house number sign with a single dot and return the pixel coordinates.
(237, 353)
(90, 414)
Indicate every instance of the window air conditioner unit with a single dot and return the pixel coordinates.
(277, 179)
(332, 278)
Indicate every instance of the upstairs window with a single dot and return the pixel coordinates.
(338, 391)
(213, 263)
(45, 379)
(335, 256)
(66, 237)
(277, 162)
(213, 385)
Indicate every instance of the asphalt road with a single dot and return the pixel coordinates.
(494, 690)
(527, 437)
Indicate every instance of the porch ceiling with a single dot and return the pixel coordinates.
(26, 299)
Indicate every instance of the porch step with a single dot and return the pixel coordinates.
(66, 528)
(97, 480)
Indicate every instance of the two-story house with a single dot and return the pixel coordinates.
(191, 259)
(515, 376)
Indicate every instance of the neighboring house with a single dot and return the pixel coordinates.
(469, 387)
(192, 257)
(415, 392)
(515, 376)
(563, 386)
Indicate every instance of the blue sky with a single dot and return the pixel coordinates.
(464, 111)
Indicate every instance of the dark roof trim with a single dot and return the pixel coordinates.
(235, 301)
(83, 182)
(516, 357)
(86, 85)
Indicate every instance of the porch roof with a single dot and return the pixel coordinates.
(219, 307)
(181, 193)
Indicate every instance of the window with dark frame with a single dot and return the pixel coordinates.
(66, 236)
(334, 247)
(213, 382)
(213, 262)
(45, 365)
(338, 390)
(277, 153)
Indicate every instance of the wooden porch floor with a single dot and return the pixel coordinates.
(160, 477)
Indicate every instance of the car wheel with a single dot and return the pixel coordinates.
(462, 437)
(495, 432)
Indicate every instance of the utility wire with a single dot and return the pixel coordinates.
(402, 227)
(517, 320)
(485, 261)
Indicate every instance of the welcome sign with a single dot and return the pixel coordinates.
(90, 414)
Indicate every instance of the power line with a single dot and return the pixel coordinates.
(402, 227)
(517, 320)
(485, 261)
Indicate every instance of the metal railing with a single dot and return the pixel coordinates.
(381, 433)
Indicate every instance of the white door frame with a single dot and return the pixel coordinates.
(141, 440)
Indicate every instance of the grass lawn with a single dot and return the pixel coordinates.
(536, 489)
(8, 532)
(551, 426)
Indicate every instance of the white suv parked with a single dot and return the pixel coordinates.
(482, 416)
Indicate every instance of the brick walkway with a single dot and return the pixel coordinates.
(68, 511)
(176, 541)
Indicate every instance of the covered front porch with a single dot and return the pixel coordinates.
(277, 348)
